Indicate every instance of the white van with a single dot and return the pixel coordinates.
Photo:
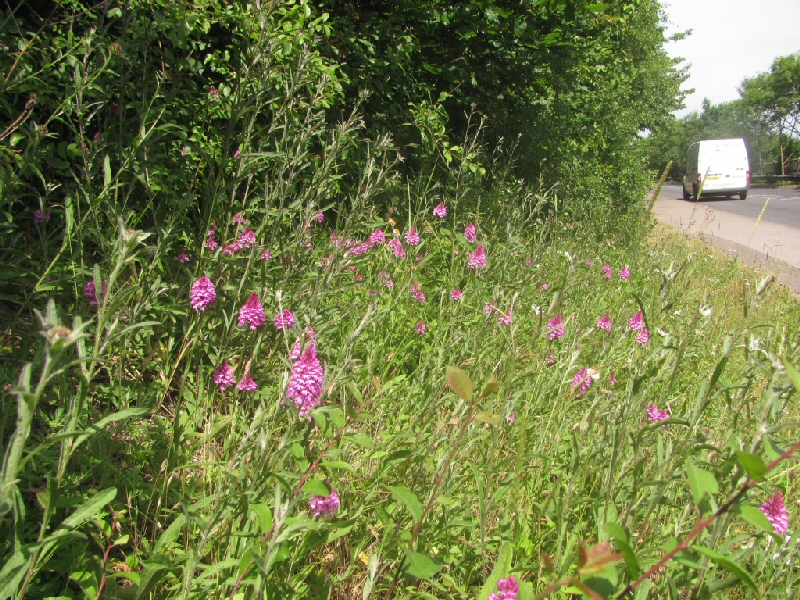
(720, 167)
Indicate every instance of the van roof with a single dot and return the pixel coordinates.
(728, 142)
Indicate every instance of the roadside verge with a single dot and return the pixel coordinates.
(768, 247)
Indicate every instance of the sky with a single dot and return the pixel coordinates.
(731, 40)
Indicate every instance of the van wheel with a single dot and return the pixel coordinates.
(743, 195)
(686, 194)
(695, 196)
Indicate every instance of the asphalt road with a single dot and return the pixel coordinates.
(783, 207)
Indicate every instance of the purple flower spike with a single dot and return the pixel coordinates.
(412, 237)
(604, 323)
(320, 506)
(223, 376)
(507, 589)
(305, 382)
(637, 321)
(252, 313)
(477, 259)
(643, 337)
(396, 246)
(440, 210)
(471, 233)
(420, 328)
(555, 328)
(624, 273)
(775, 511)
(203, 294)
(654, 415)
(247, 384)
(285, 319)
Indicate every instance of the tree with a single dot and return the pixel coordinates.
(775, 96)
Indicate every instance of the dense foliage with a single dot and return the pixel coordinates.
(232, 309)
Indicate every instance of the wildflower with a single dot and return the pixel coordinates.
(478, 258)
(705, 311)
(456, 294)
(537, 310)
(41, 218)
(213, 94)
(183, 257)
(420, 257)
(237, 154)
(285, 319)
(414, 288)
(385, 279)
(637, 321)
(544, 286)
(358, 250)
(643, 337)
(612, 379)
(305, 382)
(232, 248)
(320, 506)
(377, 238)
(654, 415)
(607, 271)
(551, 360)
(584, 379)
(203, 294)
(471, 233)
(419, 296)
(360, 278)
(247, 238)
(240, 219)
(223, 376)
(511, 417)
(211, 244)
(420, 328)
(266, 255)
(529, 261)
(412, 237)
(90, 292)
(775, 511)
(507, 589)
(311, 338)
(504, 319)
(589, 263)
(252, 313)
(555, 328)
(396, 246)
(488, 309)
(319, 218)
(440, 210)
(624, 273)
(247, 384)
(604, 323)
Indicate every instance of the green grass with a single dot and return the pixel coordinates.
(212, 488)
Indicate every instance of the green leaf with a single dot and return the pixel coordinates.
(485, 416)
(700, 481)
(106, 171)
(753, 465)
(264, 514)
(794, 374)
(317, 487)
(755, 517)
(359, 438)
(730, 566)
(338, 464)
(772, 450)
(460, 383)
(170, 534)
(420, 566)
(501, 568)
(404, 495)
(490, 386)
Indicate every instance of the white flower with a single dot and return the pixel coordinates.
(592, 373)
(705, 311)
(678, 312)
(536, 309)
(661, 332)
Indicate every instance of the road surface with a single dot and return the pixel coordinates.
(783, 206)
(771, 245)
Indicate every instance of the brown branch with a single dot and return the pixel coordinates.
(705, 523)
